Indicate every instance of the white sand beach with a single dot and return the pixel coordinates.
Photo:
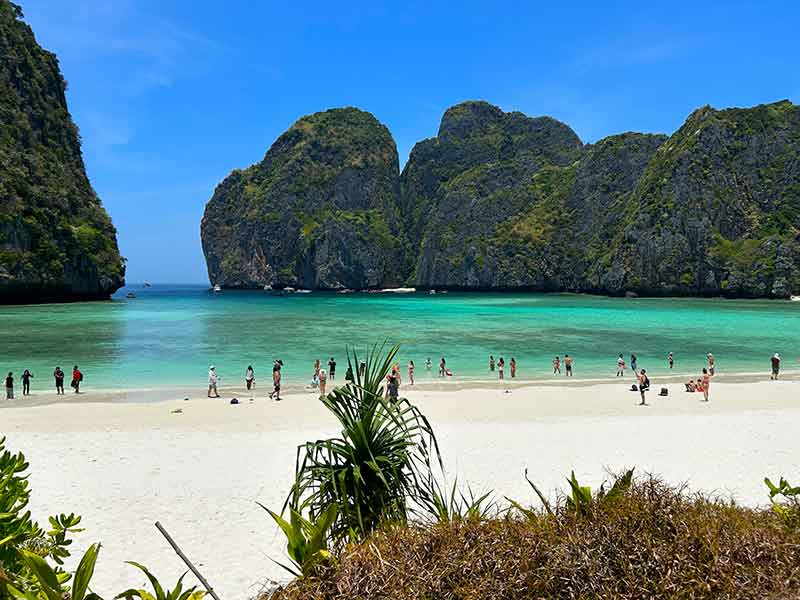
(124, 465)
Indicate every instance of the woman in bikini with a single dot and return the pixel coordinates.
(706, 384)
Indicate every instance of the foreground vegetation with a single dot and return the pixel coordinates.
(652, 541)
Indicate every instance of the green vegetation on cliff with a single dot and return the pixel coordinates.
(504, 201)
(56, 240)
(319, 211)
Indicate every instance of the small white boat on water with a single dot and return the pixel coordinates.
(130, 295)
(794, 298)
(268, 288)
(289, 290)
(217, 289)
(400, 290)
(432, 292)
(303, 291)
(147, 284)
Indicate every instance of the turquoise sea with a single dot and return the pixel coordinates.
(169, 334)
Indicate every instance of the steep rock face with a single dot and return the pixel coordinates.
(319, 211)
(475, 134)
(57, 242)
(717, 210)
(484, 168)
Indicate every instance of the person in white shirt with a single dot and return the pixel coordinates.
(212, 382)
(249, 377)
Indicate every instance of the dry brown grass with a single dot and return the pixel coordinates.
(655, 542)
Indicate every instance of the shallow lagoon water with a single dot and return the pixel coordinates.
(169, 335)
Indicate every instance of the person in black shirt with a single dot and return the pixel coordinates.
(348, 375)
(58, 374)
(26, 382)
(10, 386)
(331, 369)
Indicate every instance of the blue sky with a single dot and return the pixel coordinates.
(171, 96)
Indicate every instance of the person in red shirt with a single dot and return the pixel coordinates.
(77, 377)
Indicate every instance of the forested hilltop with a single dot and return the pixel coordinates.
(57, 243)
(504, 201)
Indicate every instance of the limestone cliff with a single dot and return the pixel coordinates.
(57, 242)
(319, 211)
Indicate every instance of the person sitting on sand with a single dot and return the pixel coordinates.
(323, 380)
(644, 385)
(10, 386)
(501, 367)
(250, 377)
(58, 375)
(213, 379)
(620, 366)
(557, 365)
(77, 378)
(698, 386)
(689, 386)
(26, 382)
(513, 366)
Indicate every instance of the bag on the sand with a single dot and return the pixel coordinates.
(634, 388)
(664, 392)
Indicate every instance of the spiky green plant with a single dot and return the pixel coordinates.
(785, 499)
(159, 593)
(306, 540)
(47, 583)
(372, 471)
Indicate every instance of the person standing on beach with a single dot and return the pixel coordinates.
(711, 361)
(411, 372)
(620, 366)
(58, 375)
(249, 377)
(501, 367)
(442, 367)
(332, 369)
(644, 385)
(557, 365)
(316, 370)
(212, 382)
(633, 365)
(26, 382)
(276, 380)
(428, 364)
(392, 388)
(513, 365)
(776, 366)
(491, 363)
(323, 381)
(348, 375)
(568, 364)
(10, 386)
(706, 383)
(77, 378)
(670, 360)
